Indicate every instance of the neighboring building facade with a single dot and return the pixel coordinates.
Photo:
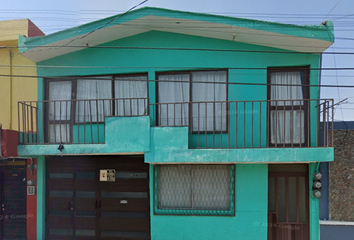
(160, 124)
(15, 206)
(336, 205)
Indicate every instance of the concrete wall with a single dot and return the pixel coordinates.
(14, 89)
(341, 175)
(249, 222)
(151, 62)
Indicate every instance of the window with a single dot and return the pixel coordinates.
(194, 189)
(288, 105)
(94, 99)
(195, 98)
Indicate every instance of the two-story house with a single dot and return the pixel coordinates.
(15, 86)
(162, 124)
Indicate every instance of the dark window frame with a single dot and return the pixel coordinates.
(73, 80)
(190, 120)
(305, 107)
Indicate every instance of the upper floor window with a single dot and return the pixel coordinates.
(90, 99)
(196, 99)
(289, 94)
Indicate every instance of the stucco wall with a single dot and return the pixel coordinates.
(14, 89)
(341, 176)
(249, 222)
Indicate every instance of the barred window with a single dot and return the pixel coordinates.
(194, 189)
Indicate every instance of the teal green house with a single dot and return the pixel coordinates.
(162, 124)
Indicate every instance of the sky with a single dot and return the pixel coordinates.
(52, 16)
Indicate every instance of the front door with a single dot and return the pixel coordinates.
(81, 205)
(13, 200)
(288, 209)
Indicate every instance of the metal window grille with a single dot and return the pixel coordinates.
(191, 189)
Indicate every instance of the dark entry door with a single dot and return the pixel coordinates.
(80, 206)
(288, 210)
(13, 202)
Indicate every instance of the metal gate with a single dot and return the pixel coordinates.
(82, 205)
(13, 213)
(288, 202)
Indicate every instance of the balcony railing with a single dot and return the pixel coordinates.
(250, 124)
(224, 124)
(73, 121)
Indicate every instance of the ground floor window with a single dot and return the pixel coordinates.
(195, 189)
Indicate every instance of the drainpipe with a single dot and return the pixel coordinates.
(320, 77)
(11, 55)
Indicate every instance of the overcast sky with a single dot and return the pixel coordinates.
(52, 16)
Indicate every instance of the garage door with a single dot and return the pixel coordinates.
(81, 204)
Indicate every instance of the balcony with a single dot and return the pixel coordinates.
(211, 125)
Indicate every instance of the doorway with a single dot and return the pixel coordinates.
(288, 202)
(82, 205)
(13, 215)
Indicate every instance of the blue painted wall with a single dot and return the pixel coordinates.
(337, 232)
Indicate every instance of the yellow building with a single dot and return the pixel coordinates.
(12, 64)
(17, 174)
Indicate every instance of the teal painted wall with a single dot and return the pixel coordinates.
(249, 222)
(150, 61)
(314, 206)
(41, 213)
(170, 145)
(122, 135)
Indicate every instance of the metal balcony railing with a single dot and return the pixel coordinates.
(73, 121)
(219, 124)
(250, 124)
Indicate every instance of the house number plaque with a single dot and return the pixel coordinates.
(107, 175)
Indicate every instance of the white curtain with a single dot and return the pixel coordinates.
(175, 91)
(286, 92)
(285, 124)
(209, 116)
(291, 120)
(92, 89)
(59, 111)
(131, 87)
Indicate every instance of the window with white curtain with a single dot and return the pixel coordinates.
(207, 92)
(59, 111)
(174, 94)
(91, 89)
(194, 187)
(93, 101)
(287, 111)
(126, 88)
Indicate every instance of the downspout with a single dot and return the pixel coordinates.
(10, 53)
(320, 77)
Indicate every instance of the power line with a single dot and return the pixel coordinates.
(157, 80)
(108, 22)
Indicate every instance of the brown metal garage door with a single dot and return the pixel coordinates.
(80, 206)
